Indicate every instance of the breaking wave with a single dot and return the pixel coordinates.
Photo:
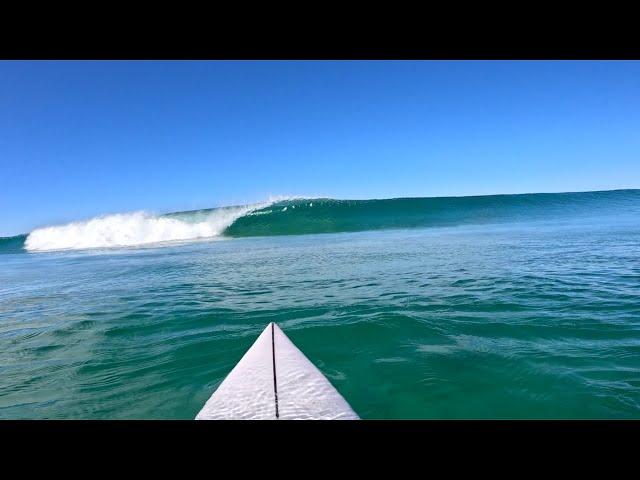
(298, 216)
(135, 229)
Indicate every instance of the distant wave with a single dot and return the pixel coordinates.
(297, 216)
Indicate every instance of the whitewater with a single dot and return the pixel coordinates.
(138, 228)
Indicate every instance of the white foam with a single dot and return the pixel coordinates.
(133, 229)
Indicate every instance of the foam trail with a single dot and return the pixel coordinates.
(133, 229)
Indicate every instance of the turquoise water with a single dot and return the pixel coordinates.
(517, 306)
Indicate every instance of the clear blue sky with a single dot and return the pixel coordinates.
(78, 139)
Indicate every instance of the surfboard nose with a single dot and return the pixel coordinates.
(275, 380)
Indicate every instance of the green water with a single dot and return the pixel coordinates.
(507, 308)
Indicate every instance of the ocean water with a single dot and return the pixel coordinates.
(506, 306)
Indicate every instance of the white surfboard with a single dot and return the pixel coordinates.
(274, 380)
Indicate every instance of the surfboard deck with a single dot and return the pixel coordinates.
(275, 380)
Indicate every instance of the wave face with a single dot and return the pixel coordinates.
(135, 229)
(294, 217)
(12, 244)
(305, 216)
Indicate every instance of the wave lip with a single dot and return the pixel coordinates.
(135, 229)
